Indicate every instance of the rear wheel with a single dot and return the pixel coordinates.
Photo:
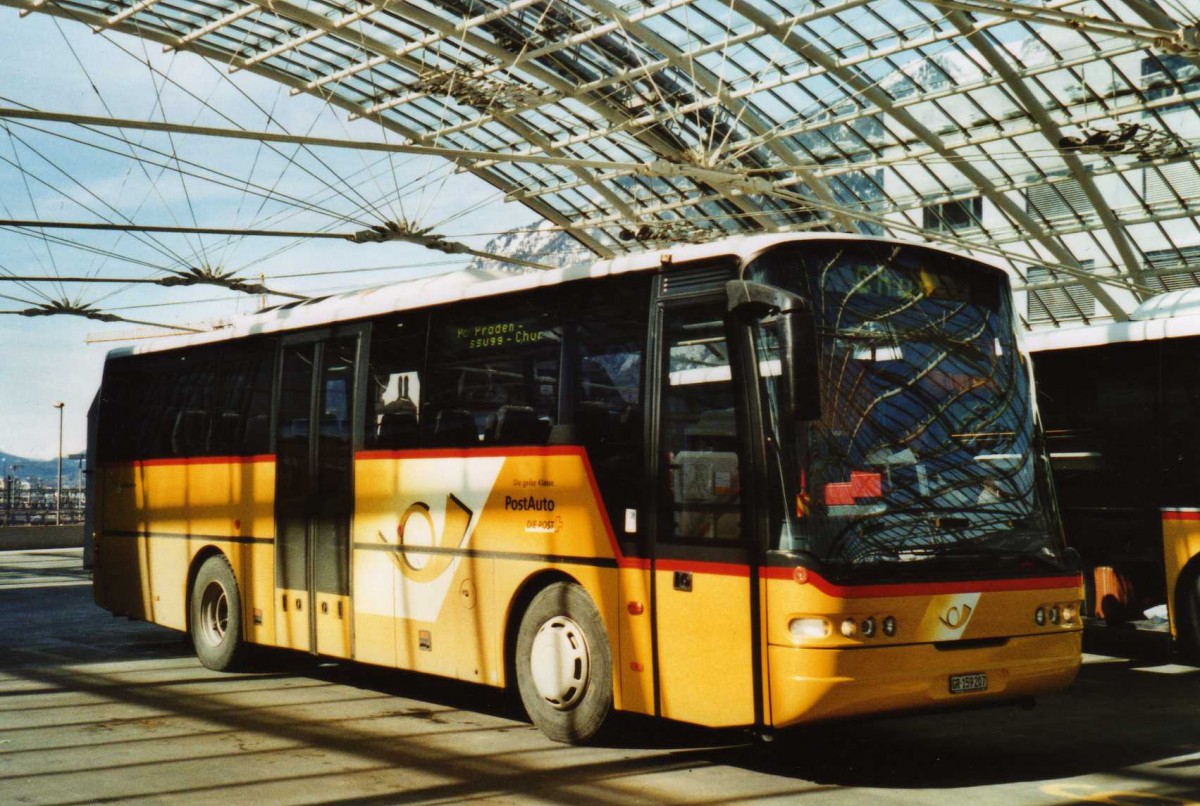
(216, 615)
(564, 664)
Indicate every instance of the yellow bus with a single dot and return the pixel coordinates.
(758, 482)
(1119, 401)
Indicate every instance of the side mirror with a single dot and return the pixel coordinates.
(1071, 559)
(797, 336)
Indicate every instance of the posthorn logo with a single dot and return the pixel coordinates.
(956, 616)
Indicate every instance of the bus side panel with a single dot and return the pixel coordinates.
(118, 578)
(1181, 542)
(490, 521)
(221, 502)
(421, 609)
(705, 663)
(966, 628)
(160, 514)
(635, 664)
(544, 507)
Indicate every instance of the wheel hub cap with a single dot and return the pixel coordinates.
(214, 614)
(559, 662)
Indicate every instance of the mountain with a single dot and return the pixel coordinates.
(540, 243)
(45, 470)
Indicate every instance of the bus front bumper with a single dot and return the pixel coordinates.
(808, 685)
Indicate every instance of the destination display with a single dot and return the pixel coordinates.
(489, 336)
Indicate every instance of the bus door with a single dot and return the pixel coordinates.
(314, 491)
(701, 568)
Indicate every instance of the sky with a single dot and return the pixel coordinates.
(58, 172)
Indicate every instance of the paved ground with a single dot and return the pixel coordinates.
(94, 709)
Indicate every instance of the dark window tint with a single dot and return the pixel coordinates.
(493, 372)
(210, 401)
(610, 336)
(335, 467)
(1099, 407)
(394, 382)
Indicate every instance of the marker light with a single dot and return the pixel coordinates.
(849, 628)
(1039, 617)
(889, 626)
(868, 628)
(805, 628)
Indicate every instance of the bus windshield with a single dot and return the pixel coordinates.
(926, 454)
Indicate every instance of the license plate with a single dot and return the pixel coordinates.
(963, 683)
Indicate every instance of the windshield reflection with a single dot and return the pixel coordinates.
(927, 447)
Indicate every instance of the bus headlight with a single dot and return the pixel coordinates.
(889, 626)
(849, 628)
(1070, 613)
(1039, 617)
(802, 629)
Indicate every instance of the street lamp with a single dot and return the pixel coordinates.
(58, 496)
(15, 467)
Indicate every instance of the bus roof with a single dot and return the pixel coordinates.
(1166, 316)
(463, 285)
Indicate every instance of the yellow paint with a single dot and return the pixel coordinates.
(293, 620)
(808, 685)
(637, 687)
(919, 618)
(190, 507)
(332, 614)
(836, 676)
(1181, 542)
(704, 649)
(443, 545)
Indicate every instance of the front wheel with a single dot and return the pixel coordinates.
(564, 664)
(216, 615)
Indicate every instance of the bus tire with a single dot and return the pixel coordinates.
(215, 615)
(564, 664)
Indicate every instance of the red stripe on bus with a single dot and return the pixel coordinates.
(470, 453)
(1178, 515)
(925, 588)
(633, 563)
(195, 460)
(701, 567)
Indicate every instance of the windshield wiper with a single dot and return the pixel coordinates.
(968, 551)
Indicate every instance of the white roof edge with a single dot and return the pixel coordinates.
(1175, 314)
(461, 285)
(1115, 333)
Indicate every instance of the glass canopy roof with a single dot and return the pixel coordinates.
(1057, 138)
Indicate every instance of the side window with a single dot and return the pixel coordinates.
(394, 382)
(240, 418)
(118, 422)
(610, 338)
(493, 372)
(189, 432)
(699, 438)
(210, 402)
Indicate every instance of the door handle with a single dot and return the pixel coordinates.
(683, 581)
